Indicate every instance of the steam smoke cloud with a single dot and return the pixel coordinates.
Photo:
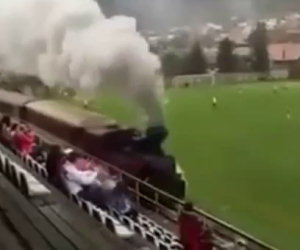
(71, 43)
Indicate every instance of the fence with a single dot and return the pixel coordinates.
(230, 78)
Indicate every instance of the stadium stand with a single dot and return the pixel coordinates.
(111, 219)
(46, 220)
(120, 224)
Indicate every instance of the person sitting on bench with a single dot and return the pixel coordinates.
(82, 181)
(25, 139)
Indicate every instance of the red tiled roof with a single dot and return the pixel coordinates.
(284, 52)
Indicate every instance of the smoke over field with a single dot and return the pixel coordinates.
(71, 43)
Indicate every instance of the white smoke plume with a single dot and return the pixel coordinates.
(71, 43)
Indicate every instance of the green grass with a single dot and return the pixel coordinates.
(242, 159)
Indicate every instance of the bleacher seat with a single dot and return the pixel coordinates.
(35, 187)
(8, 171)
(122, 231)
(97, 215)
(167, 240)
(85, 206)
(142, 218)
(110, 224)
(29, 163)
(163, 246)
(76, 199)
(176, 247)
(159, 229)
(1, 166)
(145, 226)
(157, 234)
(36, 167)
(14, 176)
(150, 238)
(6, 166)
(44, 173)
(169, 235)
(127, 222)
(24, 185)
(115, 214)
(175, 239)
(138, 229)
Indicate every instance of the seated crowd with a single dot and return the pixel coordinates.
(18, 136)
(71, 172)
(76, 174)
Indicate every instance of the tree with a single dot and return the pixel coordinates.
(171, 64)
(195, 62)
(259, 43)
(226, 60)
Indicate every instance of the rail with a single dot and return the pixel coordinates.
(223, 229)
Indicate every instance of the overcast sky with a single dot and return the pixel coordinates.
(157, 14)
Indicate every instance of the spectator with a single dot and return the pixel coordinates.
(121, 201)
(206, 237)
(13, 129)
(189, 228)
(5, 121)
(82, 178)
(39, 152)
(25, 139)
(83, 182)
(53, 163)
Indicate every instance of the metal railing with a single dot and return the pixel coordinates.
(157, 198)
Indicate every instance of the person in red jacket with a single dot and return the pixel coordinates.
(189, 228)
(194, 235)
(25, 138)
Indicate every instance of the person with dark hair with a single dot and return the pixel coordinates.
(25, 139)
(13, 127)
(5, 121)
(53, 163)
(122, 202)
(39, 152)
(4, 125)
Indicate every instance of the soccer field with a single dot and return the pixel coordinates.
(241, 159)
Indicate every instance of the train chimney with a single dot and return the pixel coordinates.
(155, 136)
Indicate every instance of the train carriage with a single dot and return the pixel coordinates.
(101, 137)
(12, 103)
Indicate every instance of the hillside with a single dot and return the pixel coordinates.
(159, 14)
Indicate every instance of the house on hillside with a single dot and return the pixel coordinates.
(284, 55)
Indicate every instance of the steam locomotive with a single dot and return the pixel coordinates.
(135, 152)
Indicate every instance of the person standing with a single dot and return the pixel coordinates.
(189, 228)
(53, 164)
